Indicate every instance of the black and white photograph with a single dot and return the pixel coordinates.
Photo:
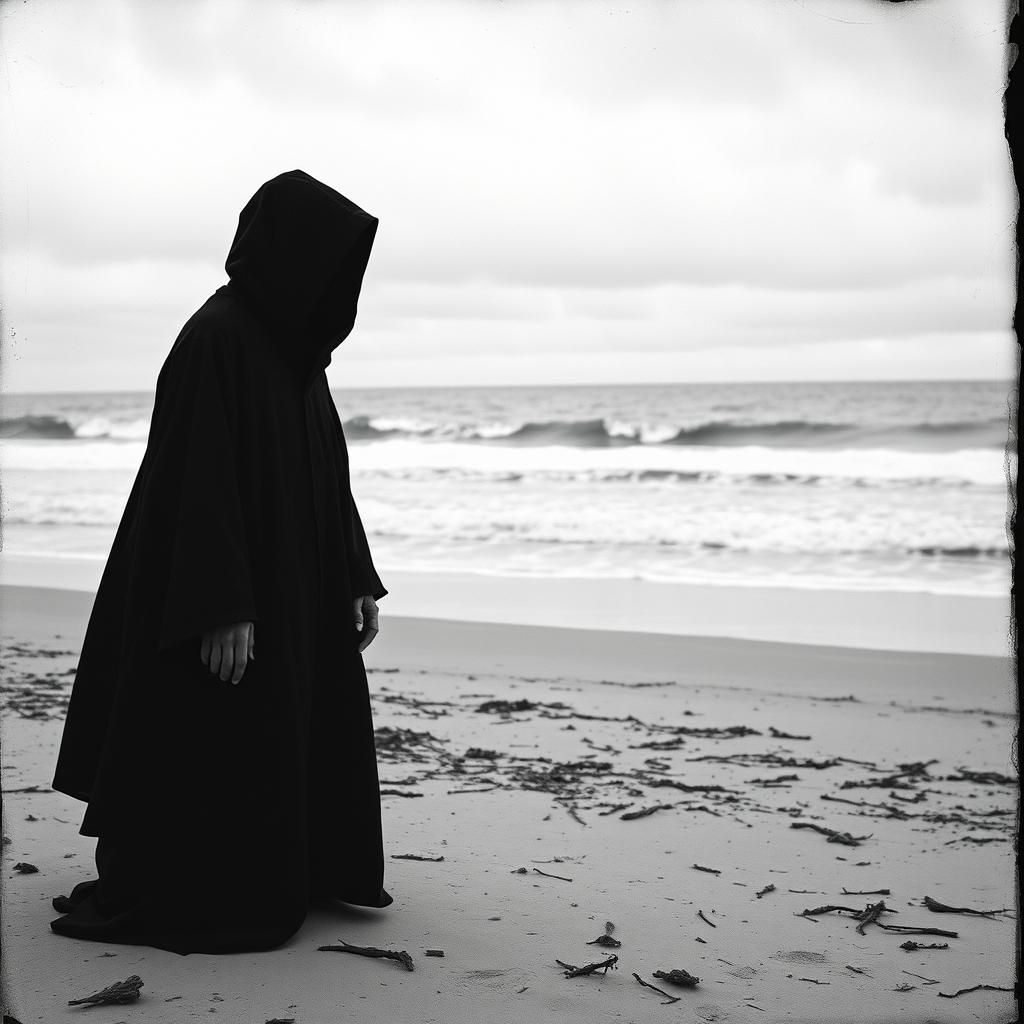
(507, 511)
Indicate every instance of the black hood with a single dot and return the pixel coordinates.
(298, 260)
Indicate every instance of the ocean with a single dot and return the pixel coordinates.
(880, 485)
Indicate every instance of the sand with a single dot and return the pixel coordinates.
(904, 754)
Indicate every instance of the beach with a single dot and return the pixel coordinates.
(640, 799)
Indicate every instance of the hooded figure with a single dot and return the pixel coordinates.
(221, 809)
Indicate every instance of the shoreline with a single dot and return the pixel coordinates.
(871, 619)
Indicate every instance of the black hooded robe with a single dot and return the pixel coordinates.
(221, 810)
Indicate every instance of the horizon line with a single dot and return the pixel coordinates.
(606, 384)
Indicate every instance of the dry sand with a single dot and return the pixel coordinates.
(905, 754)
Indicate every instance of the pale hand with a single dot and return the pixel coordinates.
(226, 650)
(366, 616)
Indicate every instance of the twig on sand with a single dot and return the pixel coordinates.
(907, 930)
(778, 734)
(870, 915)
(415, 856)
(911, 946)
(606, 939)
(927, 981)
(833, 836)
(647, 984)
(390, 954)
(974, 988)
(687, 787)
(677, 976)
(814, 981)
(700, 914)
(710, 871)
(866, 892)
(126, 991)
(975, 839)
(644, 811)
(768, 888)
(987, 778)
(574, 814)
(547, 875)
(828, 908)
(572, 971)
(941, 908)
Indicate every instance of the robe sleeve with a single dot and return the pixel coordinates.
(195, 469)
(363, 575)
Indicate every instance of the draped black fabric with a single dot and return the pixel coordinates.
(221, 809)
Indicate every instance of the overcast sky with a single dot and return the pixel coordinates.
(567, 191)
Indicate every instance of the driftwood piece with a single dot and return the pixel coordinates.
(911, 946)
(827, 909)
(833, 836)
(390, 954)
(433, 952)
(779, 780)
(870, 915)
(606, 939)
(778, 734)
(909, 930)
(677, 976)
(987, 778)
(644, 811)
(503, 707)
(668, 999)
(686, 787)
(866, 892)
(941, 908)
(710, 871)
(548, 875)
(927, 981)
(415, 856)
(120, 992)
(974, 988)
(572, 971)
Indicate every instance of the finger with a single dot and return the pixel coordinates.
(359, 613)
(368, 639)
(227, 662)
(215, 656)
(252, 640)
(204, 650)
(240, 655)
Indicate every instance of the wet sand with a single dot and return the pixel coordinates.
(550, 792)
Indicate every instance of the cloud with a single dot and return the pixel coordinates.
(659, 176)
